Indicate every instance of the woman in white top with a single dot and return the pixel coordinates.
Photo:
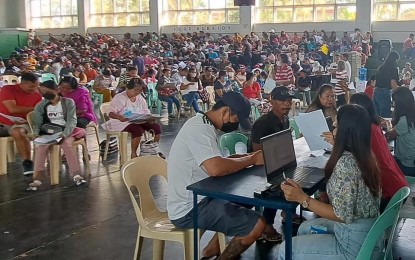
(341, 82)
(190, 89)
(57, 66)
(129, 103)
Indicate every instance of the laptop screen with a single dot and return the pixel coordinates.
(278, 150)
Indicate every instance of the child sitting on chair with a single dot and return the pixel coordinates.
(53, 115)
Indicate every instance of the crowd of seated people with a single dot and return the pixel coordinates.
(183, 66)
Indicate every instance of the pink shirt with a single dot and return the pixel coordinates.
(121, 104)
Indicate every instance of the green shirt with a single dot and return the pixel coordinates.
(405, 143)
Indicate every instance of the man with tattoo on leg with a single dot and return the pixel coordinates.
(194, 156)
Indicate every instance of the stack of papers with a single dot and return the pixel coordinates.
(49, 139)
(312, 125)
(14, 119)
(143, 117)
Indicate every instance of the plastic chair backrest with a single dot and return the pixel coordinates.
(152, 89)
(30, 118)
(255, 113)
(50, 76)
(105, 109)
(295, 128)
(388, 220)
(229, 140)
(137, 173)
(211, 91)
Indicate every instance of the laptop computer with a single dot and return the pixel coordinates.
(279, 158)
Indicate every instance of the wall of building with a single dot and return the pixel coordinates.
(13, 13)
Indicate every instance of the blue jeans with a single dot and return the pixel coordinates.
(382, 101)
(191, 99)
(342, 241)
(170, 100)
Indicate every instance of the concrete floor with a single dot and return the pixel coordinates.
(97, 221)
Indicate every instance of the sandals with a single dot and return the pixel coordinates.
(297, 220)
(34, 185)
(271, 237)
(78, 180)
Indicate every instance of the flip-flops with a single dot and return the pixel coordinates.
(271, 237)
(297, 220)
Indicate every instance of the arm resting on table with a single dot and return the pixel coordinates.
(219, 166)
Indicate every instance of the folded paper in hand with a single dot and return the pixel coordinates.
(312, 125)
(49, 139)
(14, 119)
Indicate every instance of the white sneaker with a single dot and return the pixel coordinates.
(34, 185)
(78, 180)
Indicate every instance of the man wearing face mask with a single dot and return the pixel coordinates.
(17, 101)
(194, 156)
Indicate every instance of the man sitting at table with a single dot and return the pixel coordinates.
(194, 156)
(273, 122)
(17, 101)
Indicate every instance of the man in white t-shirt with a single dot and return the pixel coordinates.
(345, 58)
(194, 156)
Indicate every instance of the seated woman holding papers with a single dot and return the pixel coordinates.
(190, 89)
(55, 116)
(252, 91)
(326, 101)
(354, 192)
(127, 104)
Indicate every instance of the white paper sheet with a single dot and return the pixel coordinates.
(14, 119)
(48, 139)
(269, 85)
(312, 125)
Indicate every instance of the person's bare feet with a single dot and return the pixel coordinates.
(212, 248)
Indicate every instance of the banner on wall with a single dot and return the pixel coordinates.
(205, 28)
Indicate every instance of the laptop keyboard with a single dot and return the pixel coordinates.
(299, 174)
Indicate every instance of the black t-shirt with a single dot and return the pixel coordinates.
(304, 82)
(266, 125)
(384, 77)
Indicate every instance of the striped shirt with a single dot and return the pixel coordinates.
(340, 75)
(284, 73)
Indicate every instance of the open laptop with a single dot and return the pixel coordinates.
(279, 158)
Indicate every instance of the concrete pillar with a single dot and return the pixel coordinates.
(364, 15)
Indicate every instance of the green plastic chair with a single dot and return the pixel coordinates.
(385, 222)
(153, 97)
(255, 113)
(50, 76)
(408, 208)
(294, 127)
(229, 140)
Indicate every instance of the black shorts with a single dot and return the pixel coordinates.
(221, 216)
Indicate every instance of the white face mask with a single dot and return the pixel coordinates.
(193, 75)
(231, 74)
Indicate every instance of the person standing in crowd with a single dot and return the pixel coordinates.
(403, 130)
(125, 104)
(138, 62)
(131, 73)
(341, 84)
(167, 93)
(354, 191)
(60, 112)
(17, 101)
(247, 51)
(57, 67)
(194, 156)
(284, 75)
(387, 79)
(408, 48)
(69, 88)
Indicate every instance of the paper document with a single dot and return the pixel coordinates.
(312, 125)
(269, 85)
(48, 139)
(143, 117)
(14, 119)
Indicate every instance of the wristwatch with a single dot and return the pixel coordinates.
(306, 203)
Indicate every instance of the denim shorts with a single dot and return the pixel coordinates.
(221, 216)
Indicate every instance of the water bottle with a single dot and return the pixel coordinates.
(362, 74)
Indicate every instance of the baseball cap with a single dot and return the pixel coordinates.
(282, 93)
(239, 105)
(50, 84)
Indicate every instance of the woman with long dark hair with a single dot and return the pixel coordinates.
(392, 178)
(404, 129)
(353, 187)
(387, 79)
(326, 101)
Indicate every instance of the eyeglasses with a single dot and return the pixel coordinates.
(328, 97)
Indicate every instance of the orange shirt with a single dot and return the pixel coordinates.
(91, 74)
